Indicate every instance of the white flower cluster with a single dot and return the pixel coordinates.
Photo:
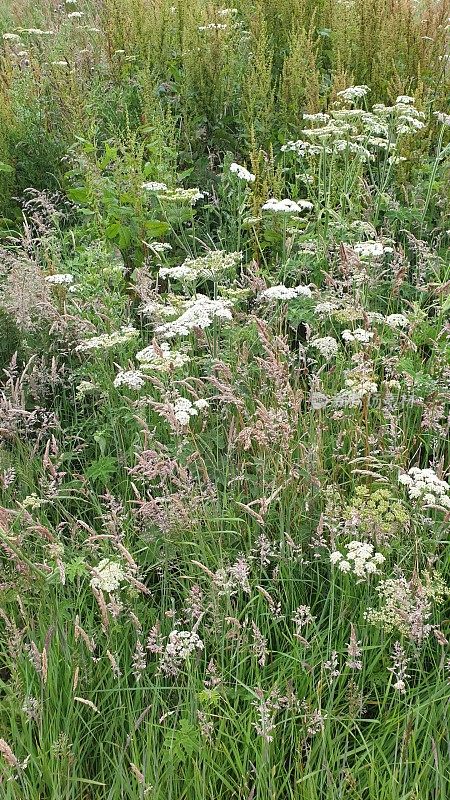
(160, 247)
(397, 321)
(212, 26)
(242, 173)
(369, 249)
(132, 379)
(180, 645)
(406, 606)
(327, 346)
(424, 485)
(173, 195)
(325, 307)
(108, 575)
(200, 313)
(358, 335)
(281, 292)
(287, 206)
(212, 265)
(359, 558)
(154, 186)
(184, 409)
(353, 93)
(60, 279)
(161, 358)
(356, 131)
(180, 195)
(444, 119)
(37, 31)
(84, 388)
(359, 385)
(107, 340)
(406, 118)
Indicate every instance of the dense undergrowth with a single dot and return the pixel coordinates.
(224, 401)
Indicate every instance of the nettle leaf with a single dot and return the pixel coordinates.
(78, 194)
(102, 469)
(155, 228)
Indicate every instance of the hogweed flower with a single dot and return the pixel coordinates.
(108, 576)
(200, 313)
(359, 559)
(406, 606)
(327, 346)
(424, 485)
(281, 292)
(161, 358)
(210, 266)
(154, 186)
(132, 379)
(242, 173)
(180, 645)
(286, 206)
(353, 93)
(60, 279)
(108, 340)
(358, 335)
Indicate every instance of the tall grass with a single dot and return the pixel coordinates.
(224, 371)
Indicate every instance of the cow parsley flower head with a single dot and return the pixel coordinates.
(287, 206)
(369, 249)
(281, 292)
(359, 558)
(108, 575)
(210, 266)
(200, 313)
(358, 335)
(353, 93)
(60, 279)
(424, 486)
(327, 346)
(242, 173)
(154, 186)
(161, 358)
(132, 379)
(108, 340)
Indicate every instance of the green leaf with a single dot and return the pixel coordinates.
(102, 469)
(6, 167)
(78, 195)
(155, 228)
(113, 230)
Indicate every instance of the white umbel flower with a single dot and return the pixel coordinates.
(108, 575)
(287, 206)
(242, 173)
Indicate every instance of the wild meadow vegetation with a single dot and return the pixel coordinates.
(224, 400)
